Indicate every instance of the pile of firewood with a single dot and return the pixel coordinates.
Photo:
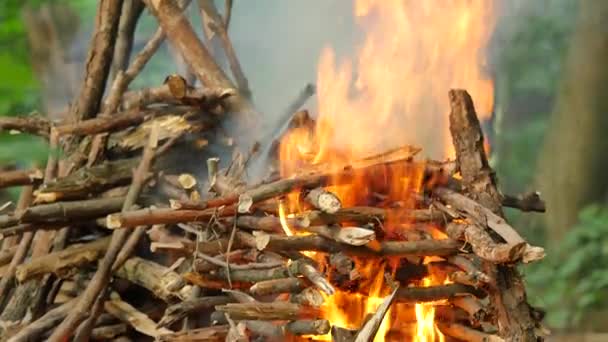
(119, 239)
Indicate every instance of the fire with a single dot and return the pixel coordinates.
(426, 331)
(393, 93)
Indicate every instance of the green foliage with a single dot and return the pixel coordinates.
(573, 280)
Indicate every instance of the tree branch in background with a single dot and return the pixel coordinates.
(98, 61)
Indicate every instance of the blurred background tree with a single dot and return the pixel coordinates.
(548, 61)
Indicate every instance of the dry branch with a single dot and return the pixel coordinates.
(283, 331)
(102, 276)
(28, 124)
(182, 310)
(515, 320)
(64, 261)
(434, 293)
(135, 318)
(99, 59)
(209, 334)
(274, 286)
(160, 280)
(370, 328)
(530, 201)
(182, 36)
(464, 333)
(35, 330)
(19, 177)
(268, 311)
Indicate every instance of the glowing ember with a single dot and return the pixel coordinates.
(393, 93)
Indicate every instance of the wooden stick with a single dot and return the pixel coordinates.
(19, 177)
(465, 333)
(108, 332)
(131, 11)
(25, 198)
(36, 329)
(106, 123)
(98, 62)
(281, 285)
(518, 247)
(268, 311)
(324, 200)
(183, 37)
(73, 210)
(477, 312)
(530, 201)
(515, 320)
(370, 328)
(28, 124)
(211, 334)
(483, 245)
(102, 276)
(320, 244)
(135, 318)
(217, 25)
(6, 282)
(158, 279)
(29, 295)
(284, 330)
(183, 309)
(434, 293)
(62, 262)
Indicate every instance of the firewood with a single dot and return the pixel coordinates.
(514, 317)
(433, 293)
(181, 310)
(160, 280)
(19, 177)
(369, 330)
(6, 282)
(101, 277)
(281, 285)
(181, 34)
(131, 117)
(354, 236)
(308, 297)
(483, 245)
(48, 321)
(283, 331)
(465, 333)
(320, 244)
(6, 255)
(88, 180)
(484, 216)
(530, 201)
(268, 311)
(323, 200)
(209, 334)
(135, 318)
(107, 332)
(477, 312)
(62, 262)
(28, 124)
(72, 210)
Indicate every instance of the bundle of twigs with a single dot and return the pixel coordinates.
(113, 242)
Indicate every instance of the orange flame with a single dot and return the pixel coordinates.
(393, 93)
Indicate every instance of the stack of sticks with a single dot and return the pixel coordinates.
(112, 242)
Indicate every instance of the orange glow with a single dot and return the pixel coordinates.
(392, 94)
(426, 331)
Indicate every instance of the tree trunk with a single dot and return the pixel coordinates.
(573, 159)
